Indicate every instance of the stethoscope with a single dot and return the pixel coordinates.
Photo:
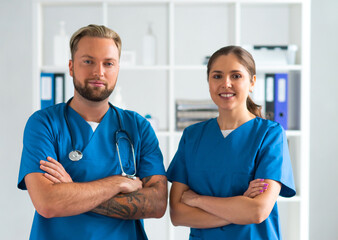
(76, 155)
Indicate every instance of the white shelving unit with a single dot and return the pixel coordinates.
(187, 31)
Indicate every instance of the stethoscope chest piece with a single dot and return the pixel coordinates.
(75, 155)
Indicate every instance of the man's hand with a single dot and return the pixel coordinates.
(56, 173)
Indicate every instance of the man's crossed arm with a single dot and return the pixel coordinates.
(54, 194)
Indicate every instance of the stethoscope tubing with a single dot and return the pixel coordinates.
(78, 154)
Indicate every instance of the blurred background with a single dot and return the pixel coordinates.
(17, 101)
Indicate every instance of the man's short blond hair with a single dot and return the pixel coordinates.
(93, 30)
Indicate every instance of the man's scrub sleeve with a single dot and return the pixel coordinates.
(37, 145)
(273, 161)
(177, 171)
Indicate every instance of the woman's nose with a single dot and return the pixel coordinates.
(227, 83)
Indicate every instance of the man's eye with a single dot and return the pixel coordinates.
(110, 64)
(87, 61)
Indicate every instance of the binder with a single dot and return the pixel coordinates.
(46, 89)
(196, 114)
(281, 99)
(59, 88)
(186, 104)
(189, 112)
(269, 96)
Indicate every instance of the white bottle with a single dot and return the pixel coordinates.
(149, 47)
(61, 47)
(117, 98)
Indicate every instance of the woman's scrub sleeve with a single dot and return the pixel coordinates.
(177, 170)
(273, 161)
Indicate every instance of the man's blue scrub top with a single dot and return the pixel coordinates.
(223, 167)
(46, 134)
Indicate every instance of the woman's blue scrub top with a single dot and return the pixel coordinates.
(223, 167)
(46, 134)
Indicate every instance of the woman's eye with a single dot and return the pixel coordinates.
(236, 76)
(217, 76)
(110, 64)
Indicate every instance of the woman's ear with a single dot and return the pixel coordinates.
(252, 83)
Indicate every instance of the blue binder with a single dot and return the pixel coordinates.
(281, 99)
(47, 93)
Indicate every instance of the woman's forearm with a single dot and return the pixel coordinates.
(184, 215)
(240, 209)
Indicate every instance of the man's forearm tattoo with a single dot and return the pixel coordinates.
(126, 211)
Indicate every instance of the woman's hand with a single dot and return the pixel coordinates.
(189, 197)
(256, 187)
(54, 171)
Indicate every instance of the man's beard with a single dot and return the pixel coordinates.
(95, 94)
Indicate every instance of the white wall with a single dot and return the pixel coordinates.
(16, 101)
(15, 104)
(324, 121)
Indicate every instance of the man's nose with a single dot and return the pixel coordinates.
(98, 71)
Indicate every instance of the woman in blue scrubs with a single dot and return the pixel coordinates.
(218, 160)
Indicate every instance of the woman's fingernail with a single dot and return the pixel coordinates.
(265, 188)
(262, 180)
(261, 191)
(266, 184)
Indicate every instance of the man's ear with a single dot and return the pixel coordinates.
(70, 65)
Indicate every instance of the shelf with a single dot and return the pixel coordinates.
(296, 199)
(289, 133)
(265, 68)
(181, 50)
(168, 133)
(190, 67)
(140, 67)
(260, 68)
(180, 2)
(293, 133)
(50, 68)
(177, 2)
